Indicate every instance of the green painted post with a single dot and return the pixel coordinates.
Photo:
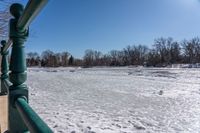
(4, 67)
(18, 69)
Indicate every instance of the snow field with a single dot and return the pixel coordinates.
(116, 99)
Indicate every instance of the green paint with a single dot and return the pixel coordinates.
(34, 123)
(22, 117)
(17, 75)
(4, 68)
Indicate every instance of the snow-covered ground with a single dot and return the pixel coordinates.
(116, 100)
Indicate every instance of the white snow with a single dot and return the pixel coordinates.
(116, 99)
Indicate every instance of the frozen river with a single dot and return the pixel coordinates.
(116, 100)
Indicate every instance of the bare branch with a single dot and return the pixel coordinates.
(4, 17)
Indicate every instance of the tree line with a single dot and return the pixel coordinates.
(50, 59)
(163, 52)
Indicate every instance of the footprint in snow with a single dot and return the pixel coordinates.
(139, 127)
(71, 70)
(129, 73)
(160, 92)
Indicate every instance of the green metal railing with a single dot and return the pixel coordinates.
(21, 117)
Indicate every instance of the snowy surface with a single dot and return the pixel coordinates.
(116, 100)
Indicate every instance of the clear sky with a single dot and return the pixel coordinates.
(77, 25)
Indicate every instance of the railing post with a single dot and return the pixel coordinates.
(4, 67)
(18, 69)
(4, 90)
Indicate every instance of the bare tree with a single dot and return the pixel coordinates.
(64, 58)
(191, 50)
(89, 57)
(4, 17)
(175, 52)
(47, 58)
(33, 59)
(167, 49)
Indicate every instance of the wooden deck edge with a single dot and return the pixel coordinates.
(3, 113)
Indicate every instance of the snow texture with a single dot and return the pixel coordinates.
(117, 99)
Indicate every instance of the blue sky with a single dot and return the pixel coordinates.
(77, 25)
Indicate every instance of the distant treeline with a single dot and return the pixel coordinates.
(163, 52)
